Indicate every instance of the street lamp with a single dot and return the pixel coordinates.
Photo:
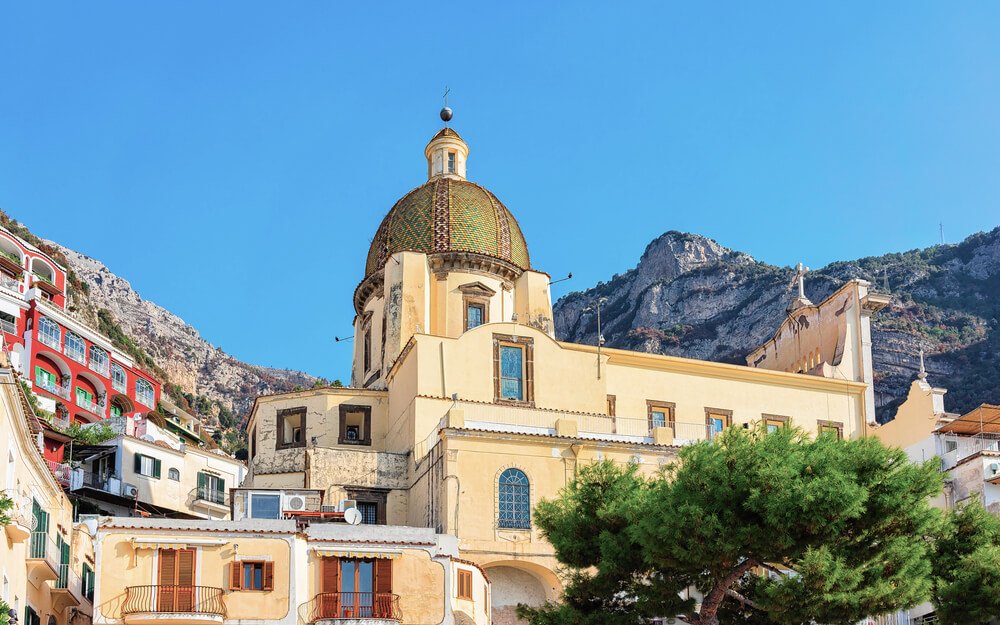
(600, 336)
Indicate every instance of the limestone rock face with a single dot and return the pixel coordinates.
(188, 359)
(689, 296)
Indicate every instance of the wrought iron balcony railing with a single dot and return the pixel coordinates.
(211, 495)
(162, 599)
(61, 390)
(355, 605)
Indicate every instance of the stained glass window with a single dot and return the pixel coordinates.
(515, 500)
(475, 316)
(511, 372)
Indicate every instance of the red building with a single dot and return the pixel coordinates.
(75, 372)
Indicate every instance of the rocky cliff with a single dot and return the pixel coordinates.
(690, 296)
(187, 360)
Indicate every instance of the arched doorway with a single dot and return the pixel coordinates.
(515, 583)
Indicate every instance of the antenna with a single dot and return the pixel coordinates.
(338, 339)
(551, 282)
(941, 230)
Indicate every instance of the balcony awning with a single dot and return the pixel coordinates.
(356, 553)
(982, 420)
(173, 543)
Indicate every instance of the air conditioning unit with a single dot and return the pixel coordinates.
(347, 503)
(329, 509)
(130, 490)
(994, 468)
(293, 503)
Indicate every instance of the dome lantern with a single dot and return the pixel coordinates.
(446, 155)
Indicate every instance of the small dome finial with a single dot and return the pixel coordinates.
(446, 112)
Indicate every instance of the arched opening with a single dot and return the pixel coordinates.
(89, 394)
(11, 264)
(43, 270)
(121, 405)
(515, 582)
(51, 374)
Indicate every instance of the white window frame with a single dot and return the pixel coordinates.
(71, 339)
(102, 362)
(141, 393)
(118, 371)
(49, 333)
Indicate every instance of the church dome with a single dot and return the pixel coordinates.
(448, 214)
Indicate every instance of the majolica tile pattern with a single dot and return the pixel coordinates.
(447, 215)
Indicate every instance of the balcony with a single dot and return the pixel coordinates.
(349, 607)
(146, 605)
(97, 408)
(61, 471)
(7, 326)
(43, 559)
(210, 499)
(45, 283)
(57, 389)
(19, 528)
(67, 591)
(100, 366)
(11, 261)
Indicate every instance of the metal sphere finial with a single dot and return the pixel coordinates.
(446, 114)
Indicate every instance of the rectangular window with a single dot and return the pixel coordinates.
(367, 355)
(291, 428)
(147, 465)
(211, 488)
(474, 315)
(355, 425)
(252, 575)
(176, 579)
(612, 400)
(950, 446)
(145, 393)
(775, 422)
(31, 617)
(369, 512)
(451, 162)
(116, 410)
(513, 369)
(265, 506)
(464, 584)
(84, 396)
(717, 420)
(45, 379)
(511, 372)
(659, 414)
(831, 427)
(88, 582)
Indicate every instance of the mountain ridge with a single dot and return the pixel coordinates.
(690, 296)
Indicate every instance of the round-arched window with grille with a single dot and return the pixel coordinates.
(514, 499)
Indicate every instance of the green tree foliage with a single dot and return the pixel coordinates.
(848, 517)
(967, 567)
(6, 504)
(4, 613)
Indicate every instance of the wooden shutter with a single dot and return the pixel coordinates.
(167, 580)
(156, 468)
(235, 573)
(383, 575)
(220, 486)
(201, 484)
(138, 463)
(268, 576)
(464, 584)
(185, 580)
(329, 603)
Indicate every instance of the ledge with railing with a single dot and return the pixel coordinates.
(164, 599)
(204, 493)
(496, 417)
(60, 390)
(99, 366)
(43, 548)
(94, 407)
(968, 445)
(354, 605)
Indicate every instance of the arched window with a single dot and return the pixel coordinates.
(49, 333)
(174, 475)
(515, 500)
(75, 348)
(99, 361)
(119, 381)
(144, 393)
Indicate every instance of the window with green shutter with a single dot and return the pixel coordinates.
(88, 582)
(116, 411)
(46, 379)
(85, 395)
(211, 488)
(147, 465)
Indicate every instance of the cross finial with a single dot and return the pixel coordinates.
(923, 372)
(446, 111)
(446, 92)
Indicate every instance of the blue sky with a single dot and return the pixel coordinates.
(233, 159)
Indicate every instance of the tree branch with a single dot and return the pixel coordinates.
(710, 604)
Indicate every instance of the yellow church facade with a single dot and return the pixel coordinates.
(464, 410)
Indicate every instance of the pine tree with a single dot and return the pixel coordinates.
(967, 567)
(850, 519)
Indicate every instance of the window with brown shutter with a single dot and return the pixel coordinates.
(176, 580)
(329, 583)
(252, 575)
(383, 575)
(464, 584)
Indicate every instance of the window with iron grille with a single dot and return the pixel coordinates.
(369, 512)
(75, 348)
(119, 381)
(49, 332)
(144, 393)
(514, 498)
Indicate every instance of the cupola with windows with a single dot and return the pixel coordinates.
(448, 257)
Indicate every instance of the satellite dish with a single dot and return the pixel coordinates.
(352, 516)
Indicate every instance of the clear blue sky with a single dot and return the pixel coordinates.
(233, 159)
